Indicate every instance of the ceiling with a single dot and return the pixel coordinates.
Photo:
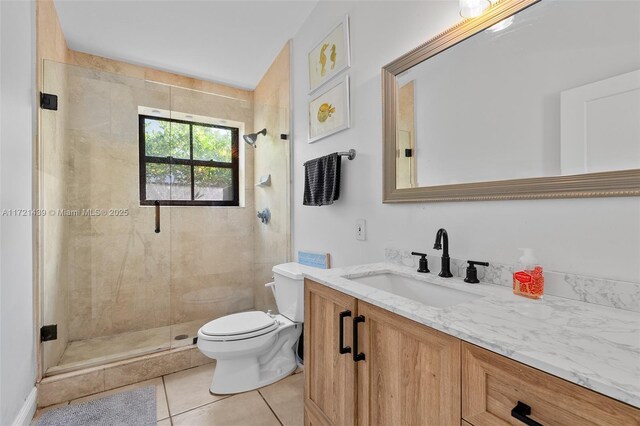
(231, 42)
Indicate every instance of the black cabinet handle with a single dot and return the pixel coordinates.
(341, 347)
(357, 356)
(157, 204)
(521, 412)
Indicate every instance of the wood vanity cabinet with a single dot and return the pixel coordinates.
(411, 374)
(330, 377)
(493, 385)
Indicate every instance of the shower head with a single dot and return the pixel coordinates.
(252, 137)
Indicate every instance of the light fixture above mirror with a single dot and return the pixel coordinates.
(473, 8)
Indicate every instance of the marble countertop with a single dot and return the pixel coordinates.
(593, 346)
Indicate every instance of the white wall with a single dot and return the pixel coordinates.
(598, 237)
(17, 72)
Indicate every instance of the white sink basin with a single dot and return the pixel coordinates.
(430, 294)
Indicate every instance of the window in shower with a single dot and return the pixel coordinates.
(184, 163)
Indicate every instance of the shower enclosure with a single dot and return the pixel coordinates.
(149, 224)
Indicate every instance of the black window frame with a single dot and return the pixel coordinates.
(146, 159)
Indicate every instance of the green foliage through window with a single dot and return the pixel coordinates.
(185, 163)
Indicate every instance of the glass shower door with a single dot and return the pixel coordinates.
(105, 248)
(212, 271)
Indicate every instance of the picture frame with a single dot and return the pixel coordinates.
(329, 110)
(330, 56)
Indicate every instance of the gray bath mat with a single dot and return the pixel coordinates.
(131, 408)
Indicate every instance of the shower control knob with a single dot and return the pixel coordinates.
(264, 216)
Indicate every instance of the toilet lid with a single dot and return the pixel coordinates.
(240, 324)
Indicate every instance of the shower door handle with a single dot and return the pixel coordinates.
(157, 204)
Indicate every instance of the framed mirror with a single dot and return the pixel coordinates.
(534, 99)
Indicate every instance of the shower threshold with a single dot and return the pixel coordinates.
(97, 351)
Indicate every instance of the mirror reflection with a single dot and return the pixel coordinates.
(553, 90)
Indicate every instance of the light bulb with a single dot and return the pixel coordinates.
(473, 8)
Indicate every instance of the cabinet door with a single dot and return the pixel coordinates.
(330, 376)
(494, 385)
(410, 374)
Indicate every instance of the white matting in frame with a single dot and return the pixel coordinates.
(329, 110)
(330, 56)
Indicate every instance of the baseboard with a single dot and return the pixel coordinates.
(28, 409)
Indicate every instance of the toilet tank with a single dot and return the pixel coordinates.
(288, 289)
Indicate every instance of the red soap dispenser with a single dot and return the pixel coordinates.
(528, 281)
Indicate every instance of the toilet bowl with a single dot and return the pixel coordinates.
(254, 349)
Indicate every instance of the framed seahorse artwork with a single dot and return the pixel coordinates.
(329, 110)
(330, 56)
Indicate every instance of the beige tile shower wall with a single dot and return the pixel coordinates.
(118, 276)
(212, 247)
(50, 39)
(122, 275)
(150, 74)
(272, 156)
(55, 227)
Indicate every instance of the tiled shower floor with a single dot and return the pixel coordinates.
(101, 350)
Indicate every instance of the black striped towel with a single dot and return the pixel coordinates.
(322, 180)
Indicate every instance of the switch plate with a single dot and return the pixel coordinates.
(361, 230)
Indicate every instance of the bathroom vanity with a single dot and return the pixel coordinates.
(375, 355)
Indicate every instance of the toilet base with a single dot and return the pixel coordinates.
(242, 369)
(228, 387)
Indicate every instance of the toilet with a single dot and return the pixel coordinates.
(254, 349)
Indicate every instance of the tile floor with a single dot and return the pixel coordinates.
(183, 398)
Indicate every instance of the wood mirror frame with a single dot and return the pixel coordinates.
(603, 184)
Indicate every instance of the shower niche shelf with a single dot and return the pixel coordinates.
(264, 180)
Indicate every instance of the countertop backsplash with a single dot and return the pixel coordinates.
(616, 294)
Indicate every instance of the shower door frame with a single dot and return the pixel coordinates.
(38, 221)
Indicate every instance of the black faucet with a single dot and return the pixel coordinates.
(445, 270)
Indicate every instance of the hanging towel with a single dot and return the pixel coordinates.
(322, 180)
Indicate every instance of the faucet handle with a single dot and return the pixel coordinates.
(423, 264)
(472, 271)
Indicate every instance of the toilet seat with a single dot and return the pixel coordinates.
(240, 326)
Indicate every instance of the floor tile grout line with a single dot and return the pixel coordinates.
(266, 402)
(204, 405)
(172, 415)
(166, 398)
(186, 369)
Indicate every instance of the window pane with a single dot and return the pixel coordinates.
(158, 182)
(180, 182)
(168, 182)
(212, 183)
(157, 138)
(180, 141)
(210, 143)
(164, 138)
